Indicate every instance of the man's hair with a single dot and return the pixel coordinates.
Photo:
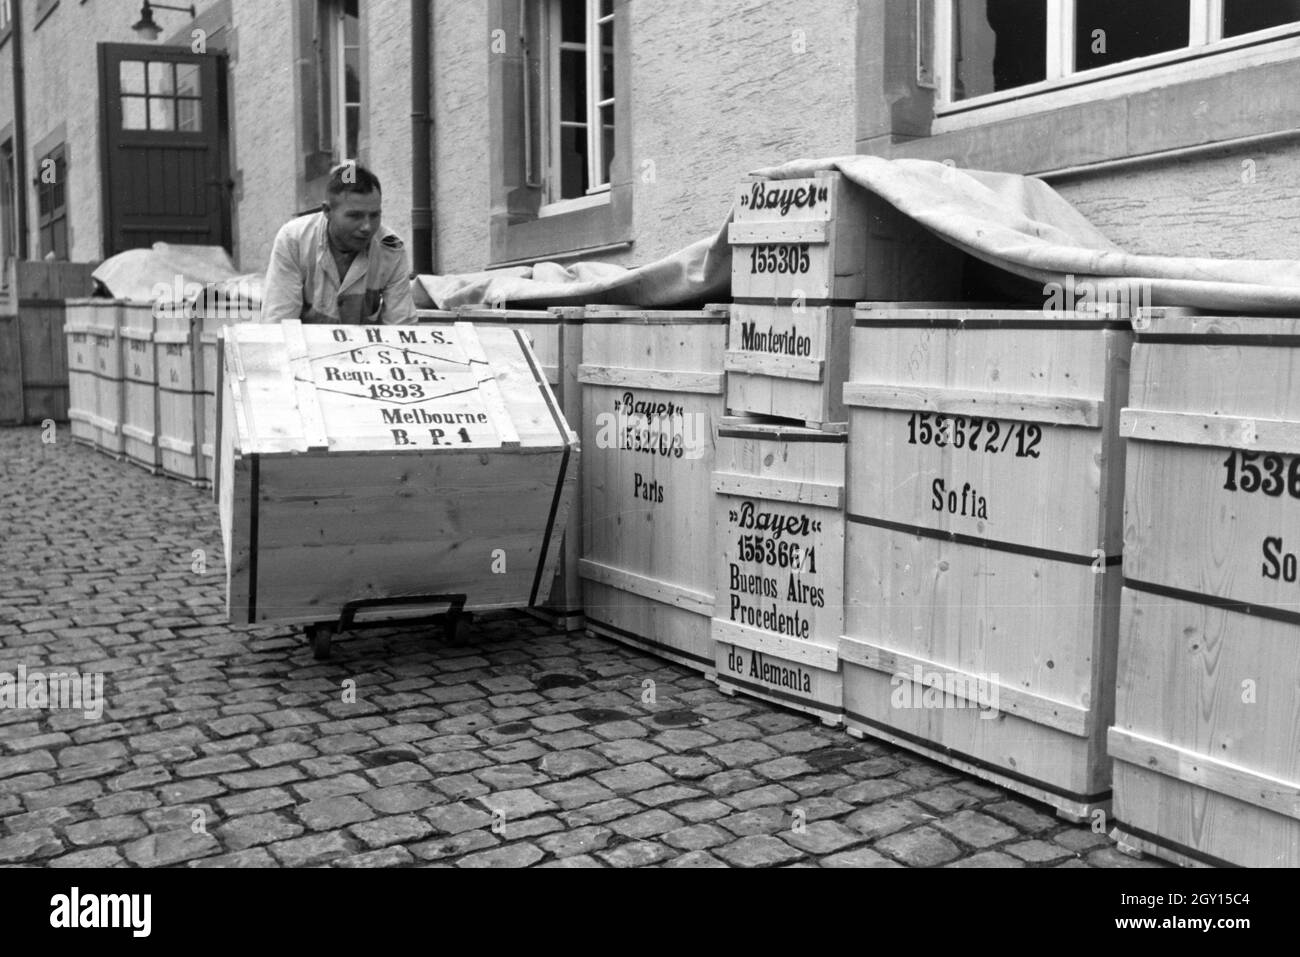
(350, 178)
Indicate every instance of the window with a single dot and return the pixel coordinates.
(1018, 47)
(561, 178)
(161, 95)
(338, 81)
(6, 18)
(576, 49)
(8, 219)
(52, 202)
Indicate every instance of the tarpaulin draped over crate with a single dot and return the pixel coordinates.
(171, 272)
(1014, 223)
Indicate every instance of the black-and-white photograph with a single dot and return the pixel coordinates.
(622, 434)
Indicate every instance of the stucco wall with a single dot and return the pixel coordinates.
(462, 194)
(1240, 204)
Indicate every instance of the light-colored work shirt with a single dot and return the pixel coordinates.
(302, 281)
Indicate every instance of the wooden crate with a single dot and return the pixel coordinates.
(83, 384)
(218, 306)
(984, 535)
(139, 386)
(101, 320)
(180, 402)
(336, 488)
(652, 389)
(33, 348)
(1205, 741)
(779, 608)
(804, 252)
(790, 362)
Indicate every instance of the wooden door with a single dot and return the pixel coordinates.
(164, 165)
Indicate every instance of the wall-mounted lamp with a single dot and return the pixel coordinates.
(147, 28)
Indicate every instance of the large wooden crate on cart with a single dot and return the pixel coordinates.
(363, 467)
(779, 564)
(556, 338)
(652, 391)
(804, 253)
(984, 536)
(1206, 739)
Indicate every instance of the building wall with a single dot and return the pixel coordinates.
(62, 89)
(1241, 203)
(265, 131)
(461, 175)
(716, 89)
(387, 149)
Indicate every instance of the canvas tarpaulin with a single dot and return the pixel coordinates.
(174, 272)
(1016, 224)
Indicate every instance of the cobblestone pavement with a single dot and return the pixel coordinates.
(513, 746)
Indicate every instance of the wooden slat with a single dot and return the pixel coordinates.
(304, 386)
(782, 367)
(760, 233)
(1054, 410)
(488, 388)
(1219, 431)
(779, 490)
(1010, 700)
(779, 646)
(665, 593)
(698, 383)
(1244, 784)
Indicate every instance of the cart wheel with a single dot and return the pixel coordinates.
(320, 636)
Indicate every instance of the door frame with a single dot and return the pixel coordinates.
(226, 207)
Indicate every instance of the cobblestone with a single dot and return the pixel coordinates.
(243, 729)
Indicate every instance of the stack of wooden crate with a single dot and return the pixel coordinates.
(804, 253)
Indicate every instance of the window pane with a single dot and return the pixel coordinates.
(606, 8)
(1111, 31)
(189, 115)
(607, 118)
(352, 76)
(1246, 16)
(573, 86)
(607, 61)
(133, 113)
(351, 23)
(354, 131)
(573, 21)
(162, 79)
(573, 163)
(130, 74)
(161, 114)
(187, 80)
(998, 45)
(59, 228)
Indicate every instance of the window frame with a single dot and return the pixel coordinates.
(47, 221)
(9, 197)
(1060, 87)
(523, 227)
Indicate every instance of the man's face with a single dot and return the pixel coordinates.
(354, 222)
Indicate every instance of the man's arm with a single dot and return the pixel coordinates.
(282, 293)
(399, 307)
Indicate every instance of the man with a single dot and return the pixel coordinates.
(340, 266)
